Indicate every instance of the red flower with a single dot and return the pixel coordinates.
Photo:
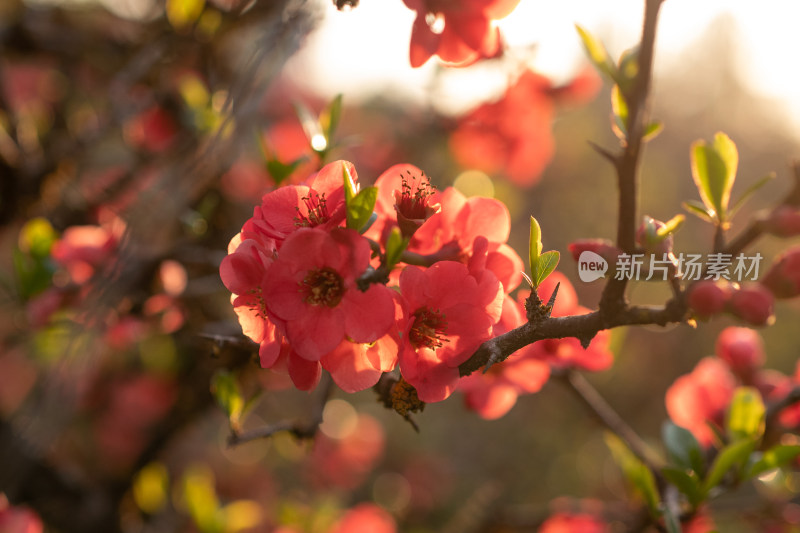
(494, 393)
(413, 202)
(568, 352)
(320, 204)
(311, 292)
(512, 135)
(451, 312)
(701, 397)
(459, 31)
(82, 250)
(573, 523)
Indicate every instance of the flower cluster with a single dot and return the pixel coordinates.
(316, 294)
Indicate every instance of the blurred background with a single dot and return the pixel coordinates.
(136, 136)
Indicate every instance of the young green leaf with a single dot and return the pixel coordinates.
(714, 171)
(671, 226)
(395, 246)
(683, 449)
(545, 266)
(534, 242)
(698, 209)
(749, 192)
(597, 53)
(226, 390)
(746, 414)
(733, 456)
(329, 118)
(652, 130)
(776, 457)
(619, 109)
(636, 472)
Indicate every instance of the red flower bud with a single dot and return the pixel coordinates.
(601, 247)
(708, 297)
(753, 304)
(742, 349)
(783, 222)
(783, 279)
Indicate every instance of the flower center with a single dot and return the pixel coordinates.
(322, 287)
(428, 329)
(317, 209)
(413, 202)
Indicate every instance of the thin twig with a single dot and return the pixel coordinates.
(302, 429)
(611, 419)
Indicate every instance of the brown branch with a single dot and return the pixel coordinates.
(583, 327)
(627, 164)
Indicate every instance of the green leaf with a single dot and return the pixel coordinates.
(730, 457)
(698, 209)
(714, 171)
(746, 414)
(545, 265)
(183, 13)
(686, 481)
(619, 109)
(534, 243)
(37, 237)
(683, 449)
(652, 130)
(671, 226)
(360, 208)
(628, 68)
(636, 472)
(776, 457)
(329, 119)
(279, 171)
(597, 53)
(200, 498)
(226, 391)
(396, 244)
(749, 192)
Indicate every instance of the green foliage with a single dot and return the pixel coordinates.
(683, 449)
(228, 395)
(359, 204)
(33, 269)
(686, 481)
(746, 415)
(597, 53)
(541, 264)
(714, 172)
(776, 457)
(730, 458)
(396, 244)
(635, 471)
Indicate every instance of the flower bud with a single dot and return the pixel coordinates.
(783, 279)
(783, 221)
(742, 349)
(753, 304)
(648, 238)
(601, 247)
(707, 298)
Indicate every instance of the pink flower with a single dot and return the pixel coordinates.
(451, 309)
(568, 352)
(18, 519)
(701, 397)
(320, 204)
(311, 292)
(358, 366)
(494, 393)
(82, 250)
(153, 130)
(742, 349)
(511, 135)
(413, 202)
(459, 31)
